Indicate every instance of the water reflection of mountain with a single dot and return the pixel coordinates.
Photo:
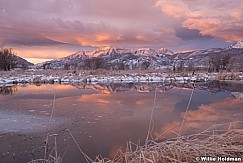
(212, 86)
(125, 87)
(8, 90)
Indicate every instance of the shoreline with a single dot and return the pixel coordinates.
(67, 77)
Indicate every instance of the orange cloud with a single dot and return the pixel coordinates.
(102, 37)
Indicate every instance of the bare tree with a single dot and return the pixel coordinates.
(190, 65)
(7, 59)
(225, 61)
(214, 64)
(232, 66)
(240, 63)
(181, 66)
(218, 62)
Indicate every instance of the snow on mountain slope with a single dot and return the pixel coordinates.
(165, 51)
(198, 53)
(145, 52)
(61, 63)
(143, 58)
(102, 51)
(76, 56)
(21, 62)
(237, 45)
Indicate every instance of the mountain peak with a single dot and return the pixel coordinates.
(165, 51)
(237, 45)
(145, 49)
(104, 48)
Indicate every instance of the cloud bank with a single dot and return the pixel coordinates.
(75, 24)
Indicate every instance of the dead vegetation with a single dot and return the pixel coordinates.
(210, 142)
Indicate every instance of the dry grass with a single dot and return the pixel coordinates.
(185, 149)
(213, 142)
(228, 75)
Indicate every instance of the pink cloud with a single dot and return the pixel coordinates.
(206, 116)
(221, 19)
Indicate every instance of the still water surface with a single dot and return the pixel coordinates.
(103, 117)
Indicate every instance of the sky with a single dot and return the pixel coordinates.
(40, 30)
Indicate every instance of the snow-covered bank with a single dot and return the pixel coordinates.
(81, 77)
(97, 79)
(238, 95)
(144, 78)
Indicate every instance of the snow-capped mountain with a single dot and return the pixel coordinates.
(113, 58)
(142, 58)
(75, 59)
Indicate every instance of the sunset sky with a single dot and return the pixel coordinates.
(40, 30)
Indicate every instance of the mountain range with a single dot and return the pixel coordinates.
(114, 58)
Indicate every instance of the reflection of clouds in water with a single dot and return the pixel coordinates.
(134, 101)
(97, 98)
(45, 87)
(222, 111)
(167, 103)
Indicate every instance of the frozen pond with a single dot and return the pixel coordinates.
(103, 117)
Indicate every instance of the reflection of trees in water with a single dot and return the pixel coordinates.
(219, 86)
(8, 90)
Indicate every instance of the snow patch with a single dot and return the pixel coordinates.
(238, 95)
(237, 45)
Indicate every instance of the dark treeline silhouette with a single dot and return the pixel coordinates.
(7, 59)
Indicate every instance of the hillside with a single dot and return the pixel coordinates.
(21, 62)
